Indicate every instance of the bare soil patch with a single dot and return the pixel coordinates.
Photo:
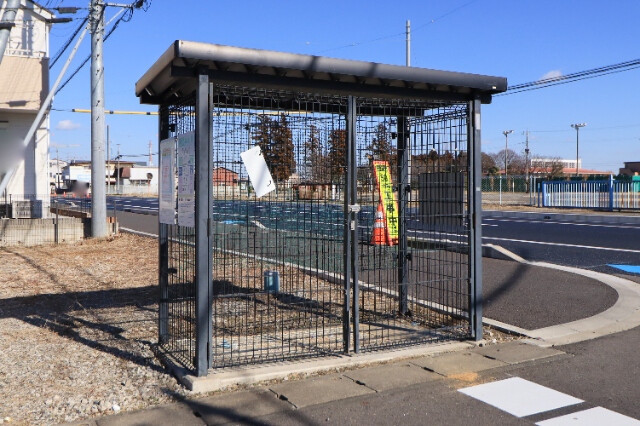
(77, 322)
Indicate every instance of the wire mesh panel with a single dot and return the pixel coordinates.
(177, 285)
(278, 292)
(284, 262)
(414, 281)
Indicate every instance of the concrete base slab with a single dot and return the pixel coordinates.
(516, 352)
(241, 407)
(319, 390)
(174, 414)
(457, 363)
(260, 373)
(391, 376)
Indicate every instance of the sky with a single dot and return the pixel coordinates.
(523, 41)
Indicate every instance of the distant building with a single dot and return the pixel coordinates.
(24, 84)
(55, 174)
(136, 175)
(79, 172)
(631, 168)
(224, 177)
(550, 162)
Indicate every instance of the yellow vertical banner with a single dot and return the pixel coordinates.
(387, 198)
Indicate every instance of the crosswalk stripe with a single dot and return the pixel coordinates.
(597, 416)
(520, 397)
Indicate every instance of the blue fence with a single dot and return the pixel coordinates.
(610, 195)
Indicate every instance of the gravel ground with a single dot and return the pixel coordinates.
(75, 331)
(77, 322)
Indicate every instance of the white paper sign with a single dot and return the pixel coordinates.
(167, 201)
(258, 172)
(186, 179)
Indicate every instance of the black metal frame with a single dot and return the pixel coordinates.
(340, 293)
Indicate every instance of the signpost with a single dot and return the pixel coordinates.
(387, 199)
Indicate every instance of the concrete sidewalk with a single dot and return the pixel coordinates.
(288, 398)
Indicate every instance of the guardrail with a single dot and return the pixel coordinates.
(610, 195)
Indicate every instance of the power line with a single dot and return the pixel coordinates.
(433, 21)
(124, 18)
(66, 45)
(570, 78)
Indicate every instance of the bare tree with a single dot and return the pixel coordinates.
(316, 161)
(514, 160)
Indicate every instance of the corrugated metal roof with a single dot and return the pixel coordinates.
(171, 71)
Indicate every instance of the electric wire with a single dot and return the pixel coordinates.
(66, 45)
(573, 77)
(124, 18)
(431, 22)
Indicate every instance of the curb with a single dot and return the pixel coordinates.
(563, 217)
(261, 373)
(623, 315)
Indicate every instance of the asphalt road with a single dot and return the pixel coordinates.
(590, 246)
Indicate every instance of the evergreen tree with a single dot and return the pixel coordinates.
(337, 153)
(275, 140)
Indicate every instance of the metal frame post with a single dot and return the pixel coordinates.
(404, 189)
(610, 192)
(203, 213)
(474, 193)
(163, 249)
(348, 235)
(354, 208)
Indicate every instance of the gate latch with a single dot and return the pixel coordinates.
(354, 208)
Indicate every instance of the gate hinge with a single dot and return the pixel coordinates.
(354, 208)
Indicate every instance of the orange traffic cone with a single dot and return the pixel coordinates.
(379, 236)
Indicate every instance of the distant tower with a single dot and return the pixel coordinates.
(150, 156)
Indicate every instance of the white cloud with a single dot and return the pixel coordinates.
(67, 125)
(553, 75)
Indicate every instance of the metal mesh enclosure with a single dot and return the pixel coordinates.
(177, 316)
(283, 266)
(329, 206)
(418, 289)
(292, 237)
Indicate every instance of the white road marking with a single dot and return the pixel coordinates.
(561, 244)
(594, 416)
(548, 222)
(487, 224)
(520, 397)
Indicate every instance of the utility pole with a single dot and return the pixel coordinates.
(577, 127)
(57, 170)
(108, 162)
(506, 134)
(98, 196)
(526, 158)
(118, 168)
(150, 156)
(408, 40)
(7, 22)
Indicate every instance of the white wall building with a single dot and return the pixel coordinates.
(549, 162)
(24, 84)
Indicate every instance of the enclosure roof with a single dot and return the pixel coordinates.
(173, 73)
